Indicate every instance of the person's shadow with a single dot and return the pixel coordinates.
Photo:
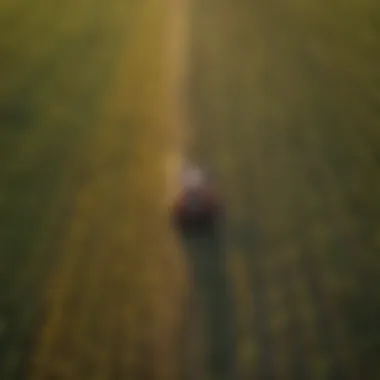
(211, 300)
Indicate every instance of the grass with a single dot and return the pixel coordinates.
(83, 246)
(285, 108)
(289, 104)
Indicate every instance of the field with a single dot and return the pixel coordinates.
(287, 109)
(283, 107)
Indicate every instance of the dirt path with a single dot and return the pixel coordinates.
(180, 129)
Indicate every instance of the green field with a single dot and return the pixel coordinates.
(284, 103)
(287, 104)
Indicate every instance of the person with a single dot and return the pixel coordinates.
(197, 204)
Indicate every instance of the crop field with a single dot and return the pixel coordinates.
(286, 103)
(83, 109)
(284, 109)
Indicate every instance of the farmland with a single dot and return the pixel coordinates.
(283, 107)
(287, 110)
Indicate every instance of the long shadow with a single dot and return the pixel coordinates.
(210, 297)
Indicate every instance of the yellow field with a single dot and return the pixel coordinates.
(283, 109)
(85, 106)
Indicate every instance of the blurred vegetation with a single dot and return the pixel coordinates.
(285, 103)
(89, 271)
